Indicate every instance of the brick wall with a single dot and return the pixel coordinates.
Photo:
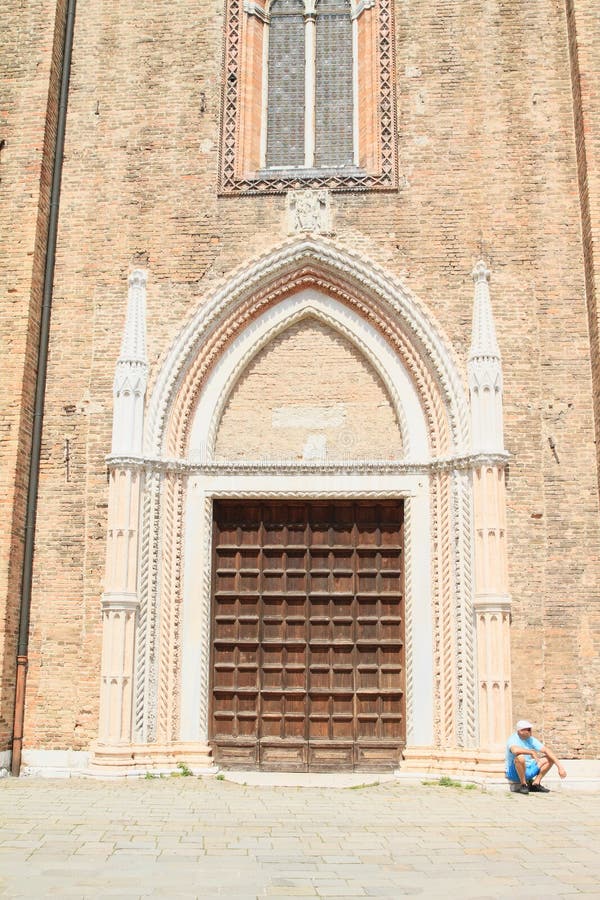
(296, 409)
(29, 71)
(584, 46)
(487, 151)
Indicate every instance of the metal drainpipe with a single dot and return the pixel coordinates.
(40, 389)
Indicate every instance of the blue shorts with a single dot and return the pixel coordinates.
(531, 770)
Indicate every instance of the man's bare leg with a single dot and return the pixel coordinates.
(520, 766)
(545, 766)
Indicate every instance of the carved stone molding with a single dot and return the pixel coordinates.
(262, 331)
(373, 293)
(149, 612)
(255, 9)
(204, 465)
(487, 604)
(462, 527)
(360, 7)
(168, 638)
(119, 602)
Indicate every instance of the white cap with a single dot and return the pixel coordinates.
(523, 723)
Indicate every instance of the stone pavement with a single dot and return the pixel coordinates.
(207, 838)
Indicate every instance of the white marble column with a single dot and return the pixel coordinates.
(491, 600)
(310, 81)
(120, 599)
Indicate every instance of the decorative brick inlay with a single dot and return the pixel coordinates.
(235, 142)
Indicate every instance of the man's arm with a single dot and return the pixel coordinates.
(547, 752)
(517, 750)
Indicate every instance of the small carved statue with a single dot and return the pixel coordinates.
(309, 211)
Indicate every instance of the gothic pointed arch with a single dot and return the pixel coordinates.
(342, 409)
(374, 296)
(309, 304)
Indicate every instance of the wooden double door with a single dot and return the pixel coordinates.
(307, 643)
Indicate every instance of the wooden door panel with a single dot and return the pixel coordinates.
(326, 756)
(274, 581)
(284, 757)
(375, 756)
(307, 635)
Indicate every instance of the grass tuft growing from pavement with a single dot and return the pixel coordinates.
(184, 771)
(360, 787)
(446, 781)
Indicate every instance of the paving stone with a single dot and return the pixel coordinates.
(291, 890)
(235, 842)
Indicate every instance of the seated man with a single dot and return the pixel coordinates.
(528, 760)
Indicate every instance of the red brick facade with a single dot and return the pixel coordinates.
(498, 153)
(32, 42)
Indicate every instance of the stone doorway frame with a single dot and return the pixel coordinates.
(197, 599)
(148, 710)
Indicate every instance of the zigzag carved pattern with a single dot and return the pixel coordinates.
(463, 617)
(144, 713)
(387, 111)
(230, 94)
(436, 610)
(447, 624)
(142, 622)
(167, 604)
(175, 668)
(154, 614)
(206, 616)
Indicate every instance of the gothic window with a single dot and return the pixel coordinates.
(334, 95)
(308, 96)
(309, 115)
(285, 84)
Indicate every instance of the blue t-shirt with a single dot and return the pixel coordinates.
(529, 743)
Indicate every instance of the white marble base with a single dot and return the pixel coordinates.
(5, 757)
(54, 763)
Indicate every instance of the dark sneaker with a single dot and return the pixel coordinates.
(522, 789)
(539, 789)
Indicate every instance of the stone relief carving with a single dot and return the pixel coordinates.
(309, 211)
